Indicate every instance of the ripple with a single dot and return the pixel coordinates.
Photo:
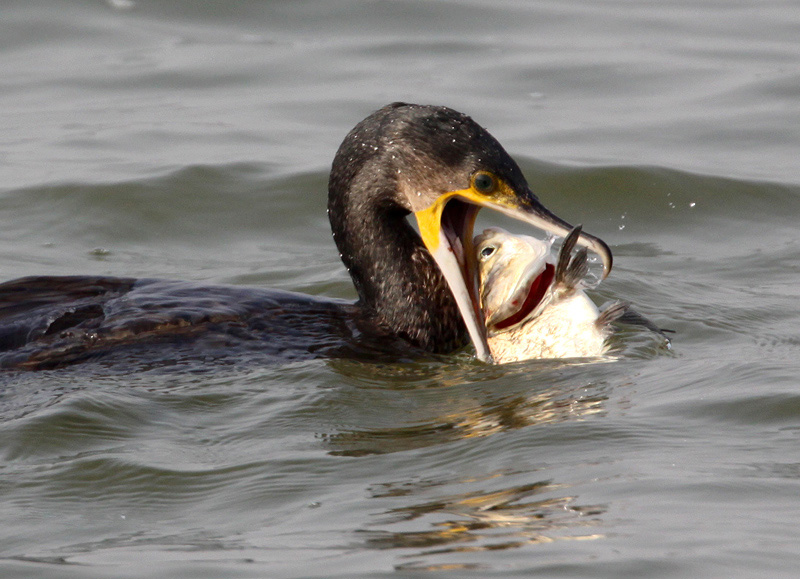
(74, 425)
(773, 408)
(491, 518)
(443, 419)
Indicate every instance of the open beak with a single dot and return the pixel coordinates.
(446, 228)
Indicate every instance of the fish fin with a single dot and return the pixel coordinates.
(578, 268)
(622, 312)
(565, 253)
(611, 312)
(570, 270)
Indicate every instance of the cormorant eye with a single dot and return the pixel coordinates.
(484, 183)
(487, 251)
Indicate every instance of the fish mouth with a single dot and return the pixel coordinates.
(530, 295)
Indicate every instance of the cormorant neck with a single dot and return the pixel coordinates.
(400, 288)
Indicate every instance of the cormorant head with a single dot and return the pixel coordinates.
(443, 167)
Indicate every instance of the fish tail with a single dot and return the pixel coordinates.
(623, 313)
(612, 312)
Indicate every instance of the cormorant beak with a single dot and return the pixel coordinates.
(446, 228)
(539, 216)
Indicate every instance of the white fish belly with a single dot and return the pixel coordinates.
(565, 329)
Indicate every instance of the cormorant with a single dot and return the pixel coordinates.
(417, 292)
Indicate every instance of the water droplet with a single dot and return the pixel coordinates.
(591, 281)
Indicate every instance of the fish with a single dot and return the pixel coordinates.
(535, 304)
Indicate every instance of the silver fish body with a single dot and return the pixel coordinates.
(534, 305)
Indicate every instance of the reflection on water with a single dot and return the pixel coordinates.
(438, 522)
(478, 520)
(192, 140)
(467, 414)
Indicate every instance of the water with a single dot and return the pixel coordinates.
(192, 140)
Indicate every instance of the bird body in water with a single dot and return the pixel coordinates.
(417, 291)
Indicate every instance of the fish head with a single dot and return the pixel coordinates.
(515, 272)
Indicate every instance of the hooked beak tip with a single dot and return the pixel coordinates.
(605, 254)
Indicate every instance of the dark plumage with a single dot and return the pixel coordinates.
(415, 293)
(422, 151)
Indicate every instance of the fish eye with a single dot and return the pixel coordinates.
(484, 183)
(487, 251)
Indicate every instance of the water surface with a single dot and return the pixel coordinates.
(192, 140)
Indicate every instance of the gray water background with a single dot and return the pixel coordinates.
(192, 140)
